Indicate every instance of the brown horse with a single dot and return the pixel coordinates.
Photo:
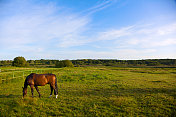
(35, 80)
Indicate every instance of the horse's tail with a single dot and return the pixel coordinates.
(56, 92)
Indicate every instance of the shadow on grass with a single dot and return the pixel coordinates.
(10, 96)
(171, 92)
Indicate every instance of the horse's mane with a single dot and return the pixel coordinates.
(32, 74)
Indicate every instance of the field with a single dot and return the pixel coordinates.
(96, 91)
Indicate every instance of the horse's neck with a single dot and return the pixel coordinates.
(25, 84)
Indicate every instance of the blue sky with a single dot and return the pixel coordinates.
(88, 29)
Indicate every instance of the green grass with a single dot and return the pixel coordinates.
(97, 91)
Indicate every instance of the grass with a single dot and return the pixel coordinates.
(97, 91)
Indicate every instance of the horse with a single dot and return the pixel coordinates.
(35, 80)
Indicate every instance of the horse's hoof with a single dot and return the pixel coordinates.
(56, 96)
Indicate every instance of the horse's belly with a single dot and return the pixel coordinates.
(40, 81)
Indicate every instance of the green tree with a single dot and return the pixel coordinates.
(64, 63)
(19, 62)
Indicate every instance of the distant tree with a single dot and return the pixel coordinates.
(64, 63)
(174, 63)
(19, 62)
(4, 62)
(77, 65)
(68, 63)
(31, 61)
(59, 64)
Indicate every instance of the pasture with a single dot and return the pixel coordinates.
(96, 91)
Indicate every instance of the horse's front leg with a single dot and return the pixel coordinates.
(32, 89)
(37, 90)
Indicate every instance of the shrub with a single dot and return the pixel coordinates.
(19, 62)
(64, 63)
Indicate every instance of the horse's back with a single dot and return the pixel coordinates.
(43, 79)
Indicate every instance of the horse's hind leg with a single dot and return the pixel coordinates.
(37, 90)
(32, 89)
(55, 91)
(51, 87)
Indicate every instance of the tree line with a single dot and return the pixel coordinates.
(127, 63)
(22, 62)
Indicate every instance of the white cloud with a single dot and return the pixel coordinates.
(41, 25)
(116, 54)
(146, 36)
(98, 7)
(169, 29)
(137, 42)
(114, 34)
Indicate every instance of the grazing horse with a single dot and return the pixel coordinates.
(35, 80)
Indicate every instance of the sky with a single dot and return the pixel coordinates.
(88, 29)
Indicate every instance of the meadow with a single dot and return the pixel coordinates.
(96, 91)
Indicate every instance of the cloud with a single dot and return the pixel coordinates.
(114, 34)
(115, 54)
(141, 36)
(40, 25)
(98, 7)
(136, 42)
(45, 24)
(168, 29)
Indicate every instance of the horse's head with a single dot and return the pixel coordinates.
(24, 91)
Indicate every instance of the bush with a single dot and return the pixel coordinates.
(64, 63)
(20, 62)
